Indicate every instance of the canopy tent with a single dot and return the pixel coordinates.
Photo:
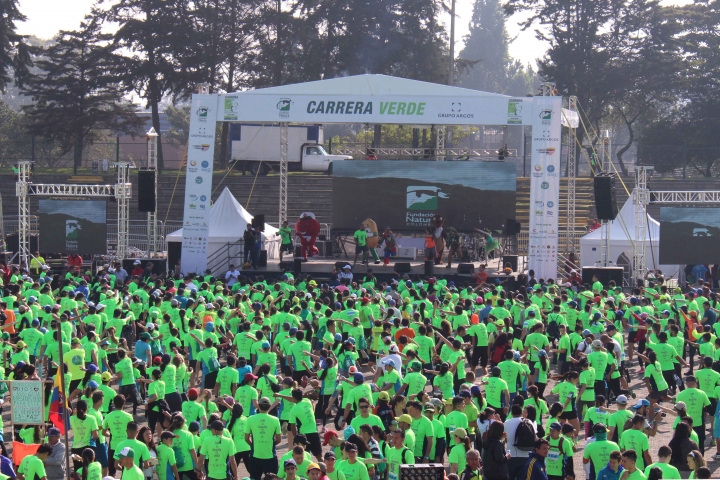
(621, 237)
(228, 222)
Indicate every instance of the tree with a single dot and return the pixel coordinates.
(156, 37)
(598, 51)
(14, 54)
(76, 95)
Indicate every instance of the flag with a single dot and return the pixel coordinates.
(21, 450)
(58, 409)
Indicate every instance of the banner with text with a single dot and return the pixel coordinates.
(545, 187)
(198, 184)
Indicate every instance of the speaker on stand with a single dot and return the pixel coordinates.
(146, 191)
(429, 268)
(258, 222)
(605, 202)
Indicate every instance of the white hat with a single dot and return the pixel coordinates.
(111, 270)
(347, 266)
(393, 349)
(45, 267)
(136, 262)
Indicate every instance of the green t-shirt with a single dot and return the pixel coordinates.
(75, 360)
(304, 411)
(456, 419)
(618, 420)
(245, 395)
(422, 428)
(396, 457)
(665, 354)
(510, 371)
(226, 377)
(125, 367)
(654, 373)
(217, 449)
(32, 468)
(263, 428)
(587, 378)
(494, 391)
(193, 411)
(94, 471)
(117, 421)
(142, 454)
(566, 390)
(354, 471)
(445, 384)
(638, 441)
(361, 238)
(166, 460)
(82, 430)
(560, 449)
(599, 452)
(457, 455)
(695, 400)
(132, 473)
(415, 381)
(182, 445)
(371, 420)
(708, 379)
(668, 470)
(285, 233)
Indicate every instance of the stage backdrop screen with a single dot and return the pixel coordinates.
(689, 235)
(73, 226)
(405, 195)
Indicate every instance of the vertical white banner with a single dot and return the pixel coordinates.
(545, 187)
(198, 184)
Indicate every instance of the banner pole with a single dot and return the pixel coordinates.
(61, 371)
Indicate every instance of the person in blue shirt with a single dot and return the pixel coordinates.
(613, 470)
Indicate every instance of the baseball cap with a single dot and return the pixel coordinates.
(53, 432)
(264, 402)
(166, 435)
(329, 454)
(106, 376)
(597, 344)
(586, 332)
(429, 407)
(357, 378)
(621, 399)
(289, 463)
(460, 433)
(599, 428)
(405, 418)
(555, 426)
(250, 376)
(329, 435)
(349, 430)
(313, 466)
(641, 403)
(680, 406)
(384, 396)
(126, 452)
(194, 426)
(192, 393)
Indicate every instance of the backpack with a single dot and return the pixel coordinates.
(525, 436)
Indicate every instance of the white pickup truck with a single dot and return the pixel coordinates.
(257, 148)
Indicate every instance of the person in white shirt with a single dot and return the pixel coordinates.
(518, 458)
(232, 275)
(346, 273)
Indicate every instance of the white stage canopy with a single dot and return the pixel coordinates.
(621, 238)
(228, 222)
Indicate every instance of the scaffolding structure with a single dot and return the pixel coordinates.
(24, 189)
(283, 172)
(606, 165)
(571, 174)
(152, 221)
(641, 199)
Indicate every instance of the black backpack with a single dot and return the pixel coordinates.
(525, 436)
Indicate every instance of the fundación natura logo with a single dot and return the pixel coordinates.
(283, 107)
(424, 197)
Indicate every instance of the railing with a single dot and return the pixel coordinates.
(138, 234)
(396, 152)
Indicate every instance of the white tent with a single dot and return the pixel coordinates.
(621, 239)
(228, 222)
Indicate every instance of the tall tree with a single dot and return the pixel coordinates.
(77, 94)
(598, 49)
(156, 38)
(14, 54)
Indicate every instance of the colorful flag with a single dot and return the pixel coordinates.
(58, 409)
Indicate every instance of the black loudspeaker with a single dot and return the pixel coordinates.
(604, 274)
(297, 267)
(262, 261)
(174, 252)
(402, 267)
(429, 268)
(146, 191)
(512, 260)
(13, 244)
(286, 266)
(465, 268)
(326, 248)
(512, 227)
(258, 222)
(605, 201)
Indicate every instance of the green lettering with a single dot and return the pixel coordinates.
(411, 108)
(330, 107)
(340, 108)
(349, 107)
(368, 109)
(320, 108)
(401, 108)
(358, 108)
(383, 107)
(392, 109)
(421, 108)
(311, 106)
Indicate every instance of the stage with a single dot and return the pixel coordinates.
(321, 269)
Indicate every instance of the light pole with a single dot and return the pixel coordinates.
(451, 72)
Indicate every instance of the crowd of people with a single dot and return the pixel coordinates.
(193, 377)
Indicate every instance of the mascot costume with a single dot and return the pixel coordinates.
(307, 228)
(373, 238)
(437, 222)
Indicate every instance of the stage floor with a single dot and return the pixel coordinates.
(322, 268)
